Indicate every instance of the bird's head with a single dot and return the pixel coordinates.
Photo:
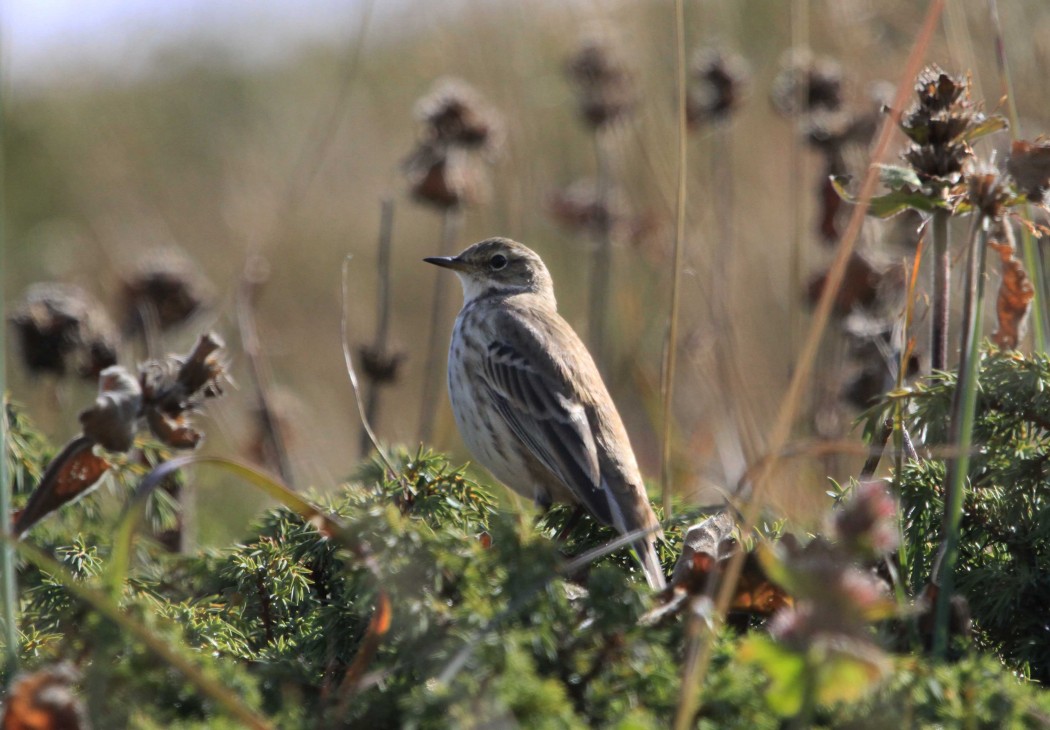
(498, 266)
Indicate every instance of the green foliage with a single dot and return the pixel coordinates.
(483, 627)
(1004, 548)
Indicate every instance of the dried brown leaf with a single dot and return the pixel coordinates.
(1015, 298)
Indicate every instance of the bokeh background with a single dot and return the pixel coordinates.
(232, 132)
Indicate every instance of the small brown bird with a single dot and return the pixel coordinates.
(529, 401)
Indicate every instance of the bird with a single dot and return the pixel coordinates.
(529, 401)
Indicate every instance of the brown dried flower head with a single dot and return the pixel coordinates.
(603, 82)
(381, 367)
(718, 81)
(1029, 164)
(445, 176)
(165, 392)
(937, 90)
(454, 113)
(583, 207)
(807, 84)
(167, 289)
(987, 189)
(938, 124)
(60, 327)
(173, 388)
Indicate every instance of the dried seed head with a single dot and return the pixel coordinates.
(445, 176)
(604, 84)
(937, 90)
(938, 124)
(987, 190)
(174, 387)
(806, 84)
(113, 420)
(1029, 164)
(166, 289)
(584, 208)
(454, 113)
(718, 80)
(60, 326)
(380, 366)
(942, 162)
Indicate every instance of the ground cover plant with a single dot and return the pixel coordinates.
(860, 542)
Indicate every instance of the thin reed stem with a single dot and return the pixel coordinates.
(941, 292)
(274, 450)
(789, 408)
(451, 222)
(382, 336)
(8, 584)
(671, 341)
(1029, 248)
(960, 429)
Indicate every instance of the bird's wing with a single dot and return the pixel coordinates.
(537, 401)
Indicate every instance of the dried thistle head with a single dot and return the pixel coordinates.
(61, 327)
(937, 90)
(987, 189)
(603, 82)
(1029, 164)
(938, 124)
(718, 81)
(174, 387)
(807, 83)
(583, 207)
(113, 420)
(454, 113)
(166, 289)
(381, 367)
(445, 176)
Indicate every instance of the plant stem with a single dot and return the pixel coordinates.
(451, 221)
(274, 447)
(941, 292)
(8, 586)
(671, 341)
(964, 407)
(379, 345)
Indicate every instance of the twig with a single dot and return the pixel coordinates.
(379, 344)
(671, 341)
(273, 443)
(451, 222)
(348, 359)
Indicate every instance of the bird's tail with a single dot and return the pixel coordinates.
(645, 550)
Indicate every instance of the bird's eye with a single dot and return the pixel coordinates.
(497, 262)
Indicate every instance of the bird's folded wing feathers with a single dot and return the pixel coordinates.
(538, 404)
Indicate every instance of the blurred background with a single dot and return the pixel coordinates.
(247, 146)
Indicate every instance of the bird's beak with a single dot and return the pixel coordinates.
(447, 262)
